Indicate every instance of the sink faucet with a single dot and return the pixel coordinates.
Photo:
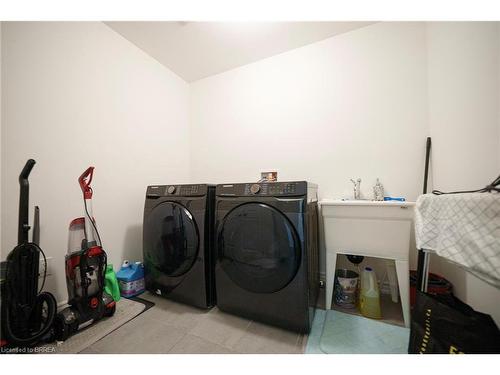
(357, 188)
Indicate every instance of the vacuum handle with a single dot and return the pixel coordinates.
(84, 180)
(23, 177)
(23, 225)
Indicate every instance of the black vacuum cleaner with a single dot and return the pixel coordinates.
(27, 312)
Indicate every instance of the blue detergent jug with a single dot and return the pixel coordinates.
(131, 279)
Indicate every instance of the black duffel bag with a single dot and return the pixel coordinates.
(442, 324)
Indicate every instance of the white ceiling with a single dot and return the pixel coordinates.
(195, 50)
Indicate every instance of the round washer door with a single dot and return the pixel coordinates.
(171, 239)
(258, 248)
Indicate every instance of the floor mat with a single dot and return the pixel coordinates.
(334, 332)
(126, 310)
(147, 304)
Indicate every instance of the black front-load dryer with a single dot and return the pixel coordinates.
(267, 252)
(178, 241)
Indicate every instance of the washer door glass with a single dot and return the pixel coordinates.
(170, 239)
(258, 248)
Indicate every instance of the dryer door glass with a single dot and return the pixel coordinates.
(258, 248)
(170, 239)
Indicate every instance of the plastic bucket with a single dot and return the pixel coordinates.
(346, 287)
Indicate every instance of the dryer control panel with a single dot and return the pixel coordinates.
(276, 189)
(156, 191)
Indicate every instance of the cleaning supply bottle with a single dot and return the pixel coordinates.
(111, 283)
(369, 298)
(131, 279)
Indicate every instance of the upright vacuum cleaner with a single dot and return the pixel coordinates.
(85, 271)
(27, 313)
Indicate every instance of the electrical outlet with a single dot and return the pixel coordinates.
(41, 268)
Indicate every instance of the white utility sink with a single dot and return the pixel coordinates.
(369, 228)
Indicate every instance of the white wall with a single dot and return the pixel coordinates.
(464, 86)
(464, 120)
(353, 105)
(78, 94)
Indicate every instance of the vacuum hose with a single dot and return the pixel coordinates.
(25, 320)
(32, 338)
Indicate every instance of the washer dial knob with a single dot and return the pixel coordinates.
(255, 188)
(171, 189)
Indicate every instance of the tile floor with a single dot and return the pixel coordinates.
(171, 327)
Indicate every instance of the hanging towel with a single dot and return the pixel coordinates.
(463, 228)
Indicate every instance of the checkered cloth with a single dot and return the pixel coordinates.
(463, 228)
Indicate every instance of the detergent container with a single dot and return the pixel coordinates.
(111, 285)
(369, 297)
(131, 279)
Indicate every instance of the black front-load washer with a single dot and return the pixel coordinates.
(178, 251)
(267, 252)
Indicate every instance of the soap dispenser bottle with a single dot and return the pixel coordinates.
(378, 191)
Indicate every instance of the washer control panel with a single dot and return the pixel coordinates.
(156, 191)
(276, 189)
(255, 188)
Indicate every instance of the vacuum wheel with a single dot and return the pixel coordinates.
(62, 329)
(110, 311)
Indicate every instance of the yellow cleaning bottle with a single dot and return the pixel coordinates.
(369, 297)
